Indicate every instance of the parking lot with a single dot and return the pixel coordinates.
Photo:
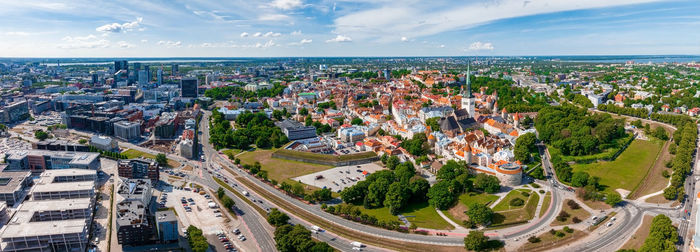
(340, 177)
(196, 211)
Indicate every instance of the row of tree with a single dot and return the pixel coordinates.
(454, 179)
(685, 137)
(225, 199)
(293, 238)
(223, 93)
(196, 239)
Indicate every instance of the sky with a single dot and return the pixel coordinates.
(281, 28)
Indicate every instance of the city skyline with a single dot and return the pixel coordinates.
(344, 28)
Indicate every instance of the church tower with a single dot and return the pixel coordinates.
(468, 102)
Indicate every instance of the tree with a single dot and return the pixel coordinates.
(528, 140)
(277, 218)
(220, 193)
(324, 194)
(356, 121)
(433, 123)
(197, 241)
(419, 189)
(480, 214)
(670, 193)
(450, 170)
(293, 238)
(397, 196)
(392, 162)
(521, 154)
(298, 189)
(82, 141)
(579, 179)
(613, 198)
(354, 194)
(228, 202)
(405, 171)
(662, 235)
(308, 121)
(376, 192)
(476, 241)
(161, 159)
(487, 183)
(440, 196)
(321, 247)
(660, 133)
(41, 135)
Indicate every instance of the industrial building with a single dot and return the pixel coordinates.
(295, 130)
(13, 184)
(14, 112)
(57, 218)
(60, 145)
(104, 143)
(38, 161)
(127, 131)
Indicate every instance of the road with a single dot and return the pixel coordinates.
(690, 190)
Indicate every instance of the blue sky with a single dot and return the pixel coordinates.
(240, 28)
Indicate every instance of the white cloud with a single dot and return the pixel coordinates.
(170, 44)
(266, 45)
(144, 41)
(404, 39)
(339, 38)
(124, 44)
(272, 34)
(244, 34)
(389, 19)
(17, 33)
(481, 46)
(302, 42)
(442, 46)
(273, 17)
(296, 33)
(286, 4)
(90, 41)
(125, 27)
(257, 34)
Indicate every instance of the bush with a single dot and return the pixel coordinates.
(573, 204)
(534, 185)
(563, 215)
(516, 202)
(576, 220)
(568, 229)
(525, 194)
(665, 174)
(541, 191)
(534, 239)
(468, 224)
(552, 231)
(560, 234)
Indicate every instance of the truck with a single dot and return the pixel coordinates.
(316, 228)
(356, 244)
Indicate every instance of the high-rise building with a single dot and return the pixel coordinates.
(174, 69)
(387, 74)
(121, 65)
(160, 76)
(148, 72)
(94, 78)
(189, 87)
(143, 78)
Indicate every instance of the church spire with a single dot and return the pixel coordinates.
(467, 92)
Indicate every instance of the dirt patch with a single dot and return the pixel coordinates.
(457, 212)
(598, 205)
(654, 181)
(636, 241)
(187, 168)
(658, 199)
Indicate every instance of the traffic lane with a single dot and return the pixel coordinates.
(251, 219)
(357, 227)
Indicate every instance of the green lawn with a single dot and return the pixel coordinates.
(518, 216)
(505, 203)
(231, 152)
(324, 157)
(131, 153)
(474, 197)
(628, 170)
(425, 215)
(279, 169)
(545, 203)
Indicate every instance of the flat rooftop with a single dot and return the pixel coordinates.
(48, 175)
(20, 225)
(64, 187)
(84, 158)
(10, 181)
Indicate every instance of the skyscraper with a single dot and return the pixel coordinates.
(121, 64)
(189, 87)
(143, 79)
(174, 69)
(160, 76)
(148, 72)
(387, 74)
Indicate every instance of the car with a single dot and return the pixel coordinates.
(357, 248)
(236, 231)
(358, 170)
